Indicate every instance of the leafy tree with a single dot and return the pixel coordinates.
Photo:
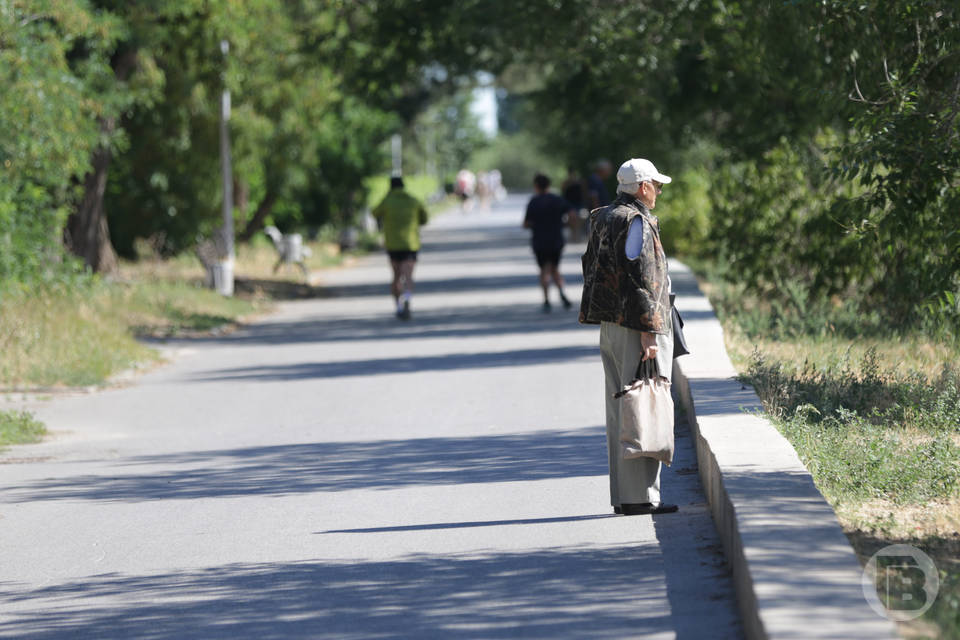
(874, 201)
(822, 120)
(47, 113)
(903, 74)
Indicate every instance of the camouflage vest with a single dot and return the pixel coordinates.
(631, 293)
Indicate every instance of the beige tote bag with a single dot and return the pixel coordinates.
(646, 416)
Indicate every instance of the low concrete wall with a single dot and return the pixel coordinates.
(795, 573)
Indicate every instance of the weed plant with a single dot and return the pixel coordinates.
(20, 427)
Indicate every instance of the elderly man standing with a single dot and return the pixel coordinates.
(626, 291)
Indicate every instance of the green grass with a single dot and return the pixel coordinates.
(867, 432)
(883, 446)
(83, 334)
(873, 412)
(20, 427)
(174, 308)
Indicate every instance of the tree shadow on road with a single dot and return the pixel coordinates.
(446, 285)
(447, 322)
(333, 466)
(384, 366)
(576, 593)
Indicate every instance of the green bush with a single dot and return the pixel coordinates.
(684, 212)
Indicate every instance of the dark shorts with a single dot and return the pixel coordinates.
(401, 256)
(548, 257)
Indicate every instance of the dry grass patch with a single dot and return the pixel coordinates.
(935, 518)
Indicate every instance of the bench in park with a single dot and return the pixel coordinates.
(290, 250)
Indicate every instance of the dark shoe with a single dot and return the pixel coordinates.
(546, 307)
(405, 312)
(566, 303)
(617, 510)
(648, 508)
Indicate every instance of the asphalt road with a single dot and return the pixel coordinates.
(333, 472)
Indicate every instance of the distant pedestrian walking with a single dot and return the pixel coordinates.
(596, 184)
(573, 192)
(401, 216)
(545, 217)
(626, 290)
(466, 186)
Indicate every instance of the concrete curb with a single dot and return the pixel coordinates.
(794, 571)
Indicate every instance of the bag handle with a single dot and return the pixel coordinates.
(648, 370)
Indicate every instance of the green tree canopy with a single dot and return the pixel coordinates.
(826, 121)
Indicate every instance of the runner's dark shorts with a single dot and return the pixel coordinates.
(548, 257)
(400, 256)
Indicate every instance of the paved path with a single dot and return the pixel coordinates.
(332, 472)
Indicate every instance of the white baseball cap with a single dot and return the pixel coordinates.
(636, 170)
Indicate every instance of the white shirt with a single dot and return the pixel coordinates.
(635, 239)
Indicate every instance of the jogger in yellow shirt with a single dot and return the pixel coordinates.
(400, 215)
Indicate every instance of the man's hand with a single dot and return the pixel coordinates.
(648, 341)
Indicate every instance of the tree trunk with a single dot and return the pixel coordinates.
(241, 197)
(256, 222)
(87, 234)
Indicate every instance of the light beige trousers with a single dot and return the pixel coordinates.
(636, 480)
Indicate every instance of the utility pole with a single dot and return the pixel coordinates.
(223, 274)
(396, 147)
(431, 168)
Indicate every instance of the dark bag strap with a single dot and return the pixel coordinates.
(648, 370)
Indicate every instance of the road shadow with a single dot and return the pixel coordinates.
(446, 285)
(332, 466)
(447, 322)
(410, 364)
(275, 289)
(556, 594)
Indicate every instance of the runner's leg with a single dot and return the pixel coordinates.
(406, 288)
(396, 284)
(558, 280)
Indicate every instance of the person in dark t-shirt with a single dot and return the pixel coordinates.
(546, 213)
(572, 190)
(599, 196)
